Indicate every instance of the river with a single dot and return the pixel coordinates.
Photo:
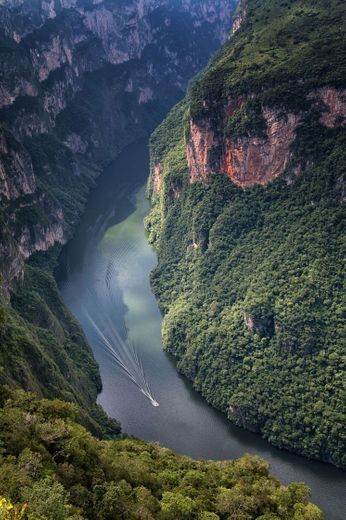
(106, 286)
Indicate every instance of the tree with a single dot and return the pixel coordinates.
(176, 506)
(47, 498)
(10, 512)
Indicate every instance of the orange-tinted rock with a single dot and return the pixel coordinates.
(202, 141)
(255, 160)
(157, 177)
(233, 105)
(248, 160)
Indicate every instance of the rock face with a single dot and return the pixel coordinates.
(261, 325)
(118, 34)
(198, 150)
(250, 160)
(79, 81)
(240, 16)
(332, 103)
(245, 160)
(157, 177)
(15, 159)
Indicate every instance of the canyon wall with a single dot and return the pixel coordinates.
(248, 193)
(251, 159)
(78, 81)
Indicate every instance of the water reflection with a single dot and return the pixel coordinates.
(108, 284)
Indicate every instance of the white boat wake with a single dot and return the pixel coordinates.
(115, 339)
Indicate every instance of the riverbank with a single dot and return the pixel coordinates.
(113, 223)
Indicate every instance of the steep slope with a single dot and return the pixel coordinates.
(248, 188)
(59, 471)
(78, 81)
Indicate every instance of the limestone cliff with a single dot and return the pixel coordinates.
(239, 16)
(255, 159)
(78, 81)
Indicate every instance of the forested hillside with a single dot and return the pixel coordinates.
(52, 468)
(248, 217)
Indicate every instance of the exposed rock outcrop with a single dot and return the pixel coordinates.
(250, 160)
(42, 237)
(263, 325)
(240, 16)
(245, 160)
(80, 80)
(157, 177)
(16, 170)
(332, 103)
(199, 148)
(255, 160)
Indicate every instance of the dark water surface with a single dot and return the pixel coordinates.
(107, 288)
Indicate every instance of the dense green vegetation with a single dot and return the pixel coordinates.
(251, 281)
(43, 349)
(283, 50)
(54, 468)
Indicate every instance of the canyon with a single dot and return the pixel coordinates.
(79, 81)
(236, 301)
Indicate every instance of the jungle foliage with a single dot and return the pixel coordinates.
(54, 469)
(283, 50)
(43, 349)
(251, 281)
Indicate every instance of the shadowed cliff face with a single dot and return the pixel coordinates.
(78, 81)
